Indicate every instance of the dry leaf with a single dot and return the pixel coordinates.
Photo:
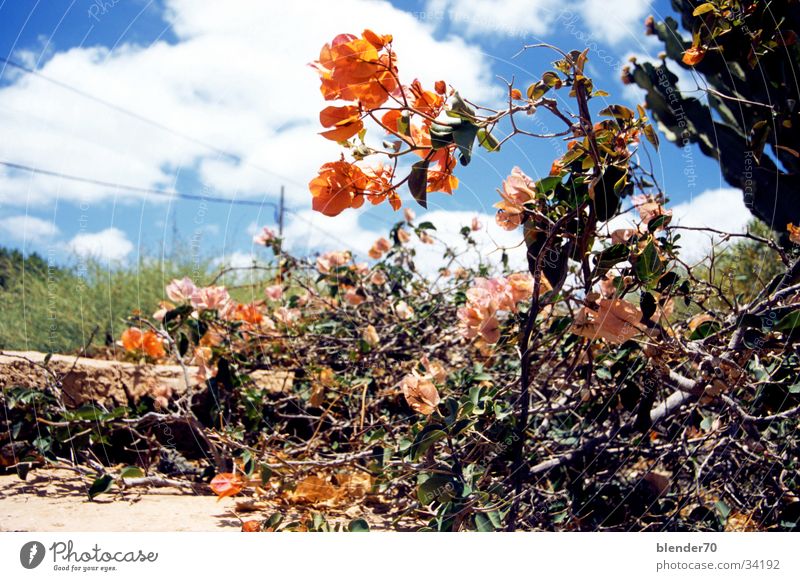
(313, 490)
(251, 526)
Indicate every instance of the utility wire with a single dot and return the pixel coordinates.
(137, 189)
(143, 119)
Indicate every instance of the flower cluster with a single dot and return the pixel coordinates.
(487, 299)
(148, 342)
(517, 190)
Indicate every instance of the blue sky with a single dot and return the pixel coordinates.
(214, 98)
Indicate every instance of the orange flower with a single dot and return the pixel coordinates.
(346, 122)
(694, 55)
(615, 320)
(442, 179)
(426, 102)
(358, 69)
(339, 185)
(794, 233)
(148, 342)
(248, 313)
(132, 339)
(226, 484)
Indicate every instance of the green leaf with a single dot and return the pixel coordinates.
(459, 108)
(483, 524)
(464, 136)
(611, 256)
(703, 8)
(488, 141)
(648, 264)
(651, 135)
(418, 182)
(358, 525)
(441, 135)
(100, 485)
(789, 322)
(439, 487)
(426, 438)
(648, 305)
(618, 112)
(131, 472)
(704, 329)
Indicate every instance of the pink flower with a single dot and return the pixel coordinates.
(378, 278)
(274, 292)
(403, 236)
(404, 312)
(476, 224)
(210, 298)
(409, 215)
(265, 237)
(332, 260)
(287, 316)
(181, 290)
(381, 246)
(353, 297)
(650, 208)
(518, 189)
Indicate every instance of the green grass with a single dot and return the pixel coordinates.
(57, 309)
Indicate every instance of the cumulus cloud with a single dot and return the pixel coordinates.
(109, 244)
(235, 79)
(28, 229)
(609, 21)
(721, 209)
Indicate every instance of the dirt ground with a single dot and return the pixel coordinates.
(55, 501)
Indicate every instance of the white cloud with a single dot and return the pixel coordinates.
(591, 21)
(722, 209)
(108, 244)
(28, 228)
(494, 17)
(236, 78)
(615, 20)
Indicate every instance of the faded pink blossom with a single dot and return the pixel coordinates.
(381, 247)
(287, 316)
(404, 312)
(332, 260)
(181, 290)
(265, 236)
(476, 224)
(403, 236)
(353, 297)
(649, 208)
(274, 292)
(378, 278)
(409, 215)
(210, 298)
(517, 190)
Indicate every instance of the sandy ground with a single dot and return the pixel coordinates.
(56, 501)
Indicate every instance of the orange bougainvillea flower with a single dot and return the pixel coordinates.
(248, 313)
(227, 484)
(147, 342)
(694, 55)
(339, 185)
(358, 69)
(794, 233)
(426, 102)
(615, 320)
(420, 393)
(346, 122)
(441, 178)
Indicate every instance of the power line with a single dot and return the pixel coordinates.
(143, 119)
(141, 190)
